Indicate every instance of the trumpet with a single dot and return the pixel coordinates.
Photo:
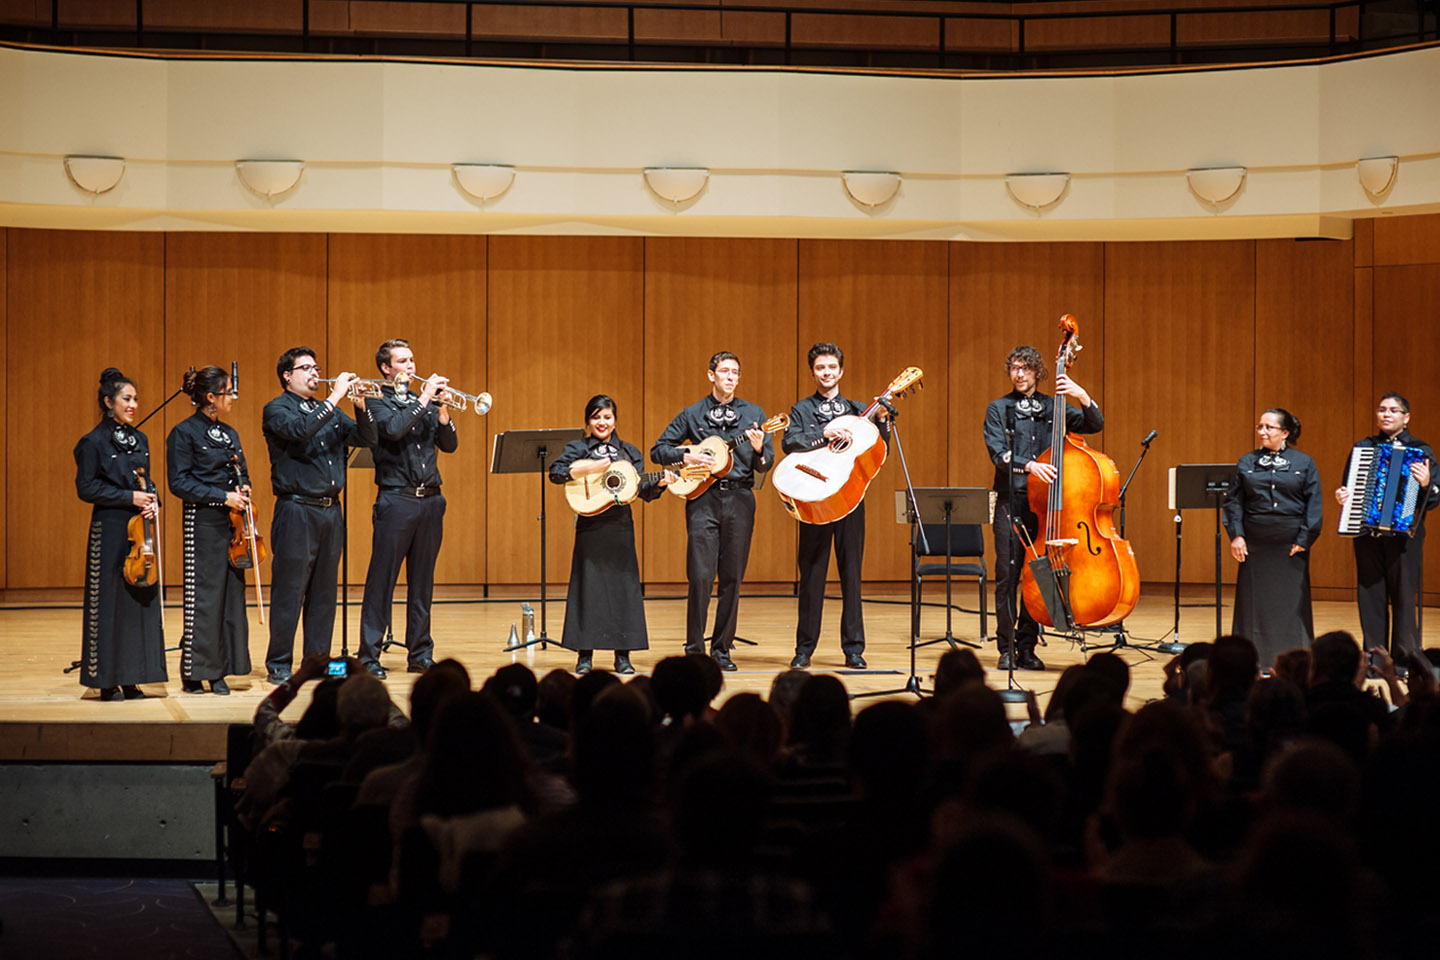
(458, 400)
(366, 388)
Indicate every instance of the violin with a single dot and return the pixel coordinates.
(142, 564)
(1094, 569)
(247, 547)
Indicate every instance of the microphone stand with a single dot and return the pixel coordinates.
(1013, 692)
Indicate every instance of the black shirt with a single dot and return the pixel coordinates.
(593, 448)
(105, 462)
(307, 440)
(811, 415)
(198, 453)
(1408, 438)
(1032, 433)
(708, 417)
(406, 437)
(1282, 483)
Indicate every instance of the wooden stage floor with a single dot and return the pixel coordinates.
(46, 716)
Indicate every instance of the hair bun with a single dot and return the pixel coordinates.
(188, 384)
(110, 375)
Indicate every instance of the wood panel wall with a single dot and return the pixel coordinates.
(1190, 339)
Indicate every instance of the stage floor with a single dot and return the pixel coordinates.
(46, 716)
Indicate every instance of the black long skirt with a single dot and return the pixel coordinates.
(603, 608)
(1272, 589)
(216, 642)
(122, 635)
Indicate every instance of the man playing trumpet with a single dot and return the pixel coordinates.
(307, 438)
(409, 509)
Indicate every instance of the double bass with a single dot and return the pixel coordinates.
(1094, 567)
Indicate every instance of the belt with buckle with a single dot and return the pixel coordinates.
(735, 484)
(419, 492)
(311, 501)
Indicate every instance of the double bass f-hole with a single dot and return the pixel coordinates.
(1090, 548)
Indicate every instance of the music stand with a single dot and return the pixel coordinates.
(936, 506)
(528, 451)
(1199, 486)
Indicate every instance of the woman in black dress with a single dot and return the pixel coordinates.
(1273, 514)
(122, 640)
(604, 609)
(216, 641)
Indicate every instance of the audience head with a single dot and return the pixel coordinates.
(1334, 658)
(820, 721)
(1160, 775)
(587, 690)
(783, 691)
(752, 728)
(955, 669)
(1113, 672)
(679, 687)
(1294, 665)
(735, 787)
(713, 676)
(1055, 709)
(552, 704)
(972, 725)
(1274, 714)
(320, 721)
(1313, 776)
(889, 750)
(475, 762)
(1232, 668)
(362, 704)
(514, 687)
(614, 747)
(432, 690)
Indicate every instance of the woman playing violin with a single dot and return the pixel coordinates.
(122, 643)
(207, 472)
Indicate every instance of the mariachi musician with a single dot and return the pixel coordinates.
(1387, 568)
(123, 643)
(1030, 415)
(207, 473)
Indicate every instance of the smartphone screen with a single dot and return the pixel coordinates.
(337, 668)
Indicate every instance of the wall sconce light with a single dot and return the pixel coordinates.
(1215, 185)
(676, 184)
(269, 178)
(1377, 174)
(95, 175)
(1037, 190)
(483, 180)
(871, 188)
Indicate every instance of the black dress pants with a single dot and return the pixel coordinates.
(1009, 560)
(408, 530)
(718, 523)
(306, 541)
(813, 558)
(1387, 571)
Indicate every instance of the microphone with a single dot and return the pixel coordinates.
(235, 378)
(1151, 436)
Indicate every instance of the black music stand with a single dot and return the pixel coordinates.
(936, 506)
(1201, 486)
(529, 451)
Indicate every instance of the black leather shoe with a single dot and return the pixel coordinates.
(420, 666)
(800, 661)
(723, 658)
(277, 677)
(855, 662)
(1028, 661)
(583, 663)
(374, 669)
(192, 686)
(111, 693)
(220, 687)
(132, 692)
(622, 662)
(1004, 662)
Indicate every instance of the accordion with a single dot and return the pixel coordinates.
(1383, 496)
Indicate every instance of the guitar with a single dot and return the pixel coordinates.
(619, 483)
(825, 484)
(723, 451)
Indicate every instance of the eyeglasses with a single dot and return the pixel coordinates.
(1268, 428)
(302, 367)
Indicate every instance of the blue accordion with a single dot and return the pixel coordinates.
(1383, 495)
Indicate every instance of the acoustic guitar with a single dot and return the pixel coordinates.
(723, 450)
(828, 483)
(619, 483)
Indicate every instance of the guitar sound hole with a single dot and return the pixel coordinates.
(839, 446)
(612, 482)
